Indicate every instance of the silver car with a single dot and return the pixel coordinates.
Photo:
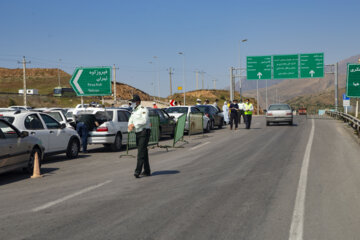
(17, 149)
(277, 113)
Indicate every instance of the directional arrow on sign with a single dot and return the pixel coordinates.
(356, 84)
(76, 81)
(259, 75)
(172, 102)
(312, 72)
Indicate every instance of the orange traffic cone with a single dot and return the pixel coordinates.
(36, 173)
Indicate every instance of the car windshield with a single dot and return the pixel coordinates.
(69, 114)
(7, 118)
(177, 110)
(279, 107)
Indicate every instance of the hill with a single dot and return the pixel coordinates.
(44, 80)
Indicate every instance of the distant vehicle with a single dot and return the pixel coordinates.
(17, 149)
(113, 129)
(20, 108)
(277, 113)
(55, 137)
(63, 92)
(302, 111)
(216, 117)
(180, 110)
(167, 123)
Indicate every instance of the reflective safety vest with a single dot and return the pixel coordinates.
(248, 109)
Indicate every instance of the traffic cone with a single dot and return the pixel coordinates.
(36, 173)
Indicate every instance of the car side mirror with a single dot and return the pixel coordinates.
(63, 125)
(24, 134)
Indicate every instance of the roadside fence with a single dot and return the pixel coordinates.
(179, 129)
(196, 123)
(347, 118)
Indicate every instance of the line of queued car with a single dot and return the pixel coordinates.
(50, 131)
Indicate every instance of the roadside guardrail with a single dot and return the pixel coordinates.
(347, 118)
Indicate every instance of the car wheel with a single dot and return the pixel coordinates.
(212, 125)
(291, 123)
(267, 123)
(116, 146)
(221, 124)
(73, 149)
(30, 165)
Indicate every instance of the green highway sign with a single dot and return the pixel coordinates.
(286, 66)
(258, 67)
(353, 81)
(312, 65)
(92, 81)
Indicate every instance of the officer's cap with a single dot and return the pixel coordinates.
(135, 98)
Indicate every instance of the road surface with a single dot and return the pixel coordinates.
(277, 182)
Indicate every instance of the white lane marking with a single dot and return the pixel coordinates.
(50, 204)
(199, 146)
(297, 222)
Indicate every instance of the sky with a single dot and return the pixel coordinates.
(143, 37)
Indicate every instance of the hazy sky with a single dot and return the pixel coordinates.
(130, 33)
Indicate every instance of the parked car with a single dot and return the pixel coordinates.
(167, 123)
(113, 129)
(55, 137)
(180, 110)
(279, 113)
(17, 149)
(216, 117)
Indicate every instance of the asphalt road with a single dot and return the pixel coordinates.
(277, 182)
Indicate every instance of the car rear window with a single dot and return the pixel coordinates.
(103, 116)
(55, 115)
(279, 107)
(177, 110)
(7, 118)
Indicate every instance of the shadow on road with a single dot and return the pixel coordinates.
(165, 172)
(62, 158)
(19, 175)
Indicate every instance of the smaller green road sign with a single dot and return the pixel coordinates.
(258, 68)
(353, 81)
(92, 81)
(286, 66)
(312, 65)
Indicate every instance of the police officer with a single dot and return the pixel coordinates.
(249, 108)
(140, 122)
(234, 114)
(241, 110)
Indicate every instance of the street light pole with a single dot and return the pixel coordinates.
(240, 81)
(59, 73)
(154, 82)
(158, 75)
(181, 53)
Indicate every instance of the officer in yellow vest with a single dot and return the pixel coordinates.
(249, 108)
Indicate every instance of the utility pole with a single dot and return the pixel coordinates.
(170, 73)
(24, 62)
(257, 97)
(197, 80)
(214, 81)
(231, 84)
(336, 86)
(202, 80)
(58, 71)
(184, 89)
(114, 80)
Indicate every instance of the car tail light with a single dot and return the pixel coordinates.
(102, 129)
(269, 114)
(288, 113)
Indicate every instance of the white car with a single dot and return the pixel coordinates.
(55, 137)
(113, 129)
(180, 110)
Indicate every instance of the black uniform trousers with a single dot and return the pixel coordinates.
(248, 121)
(142, 140)
(234, 119)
